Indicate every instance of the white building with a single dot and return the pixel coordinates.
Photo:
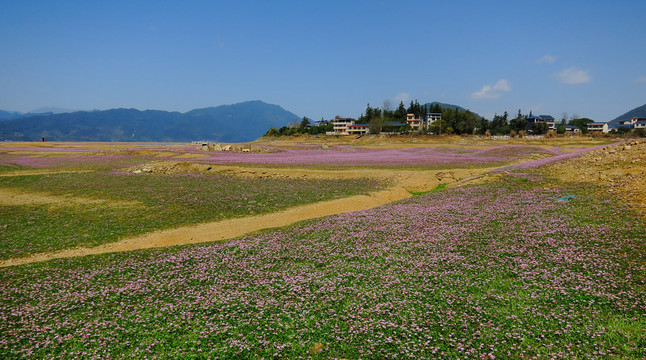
(347, 126)
(598, 127)
(417, 121)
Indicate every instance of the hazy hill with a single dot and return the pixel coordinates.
(240, 122)
(49, 110)
(636, 112)
(5, 115)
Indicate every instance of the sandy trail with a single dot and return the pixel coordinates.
(41, 172)
(404, 180)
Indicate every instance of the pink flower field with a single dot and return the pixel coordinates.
(302, 155)
(499, 270)
(407, 157)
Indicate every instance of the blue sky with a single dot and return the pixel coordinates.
(325, 58)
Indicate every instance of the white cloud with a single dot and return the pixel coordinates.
(492, 92)
(546, 59)
(401, 97)
(641, 79)
(573, 76)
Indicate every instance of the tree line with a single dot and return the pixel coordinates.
(453, 121)
(462, 122)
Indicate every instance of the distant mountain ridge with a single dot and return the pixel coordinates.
(6, 115)
(240, 122)
(636, 112)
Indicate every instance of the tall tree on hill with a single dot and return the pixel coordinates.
(519, 123)
(484, 126)
(305, 123)
(499, 124)
(414, 108)
(400, 114)
(466, 123)
(387, 106)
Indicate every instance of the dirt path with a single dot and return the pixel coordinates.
(41, 172)
(227, 229)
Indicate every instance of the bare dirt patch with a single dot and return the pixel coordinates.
(21, 197)
(622, 168)
(411, 180)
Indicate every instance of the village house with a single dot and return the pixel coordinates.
(598, 127)
(414, 121)
(572, 128)
(548, 119)
(632, 121)
(417, 121)
(433, 117)
(347, 126)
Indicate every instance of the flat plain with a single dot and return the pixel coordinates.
(324, 248)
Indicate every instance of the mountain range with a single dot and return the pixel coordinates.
(240, 122)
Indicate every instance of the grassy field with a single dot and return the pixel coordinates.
(136, 204)
(516, 265)
(511, 269)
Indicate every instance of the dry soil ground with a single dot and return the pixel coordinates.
(621, 168)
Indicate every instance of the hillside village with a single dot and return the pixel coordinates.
(439, 119)
(417, 123)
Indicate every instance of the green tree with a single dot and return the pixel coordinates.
(623, 130)
(519, 123)
(541, 128)
(499, 124)
(376, 125)
(400, 113)
(305, 123)
(581, 123)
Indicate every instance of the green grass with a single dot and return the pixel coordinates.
(11, 167)
(166, 202)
